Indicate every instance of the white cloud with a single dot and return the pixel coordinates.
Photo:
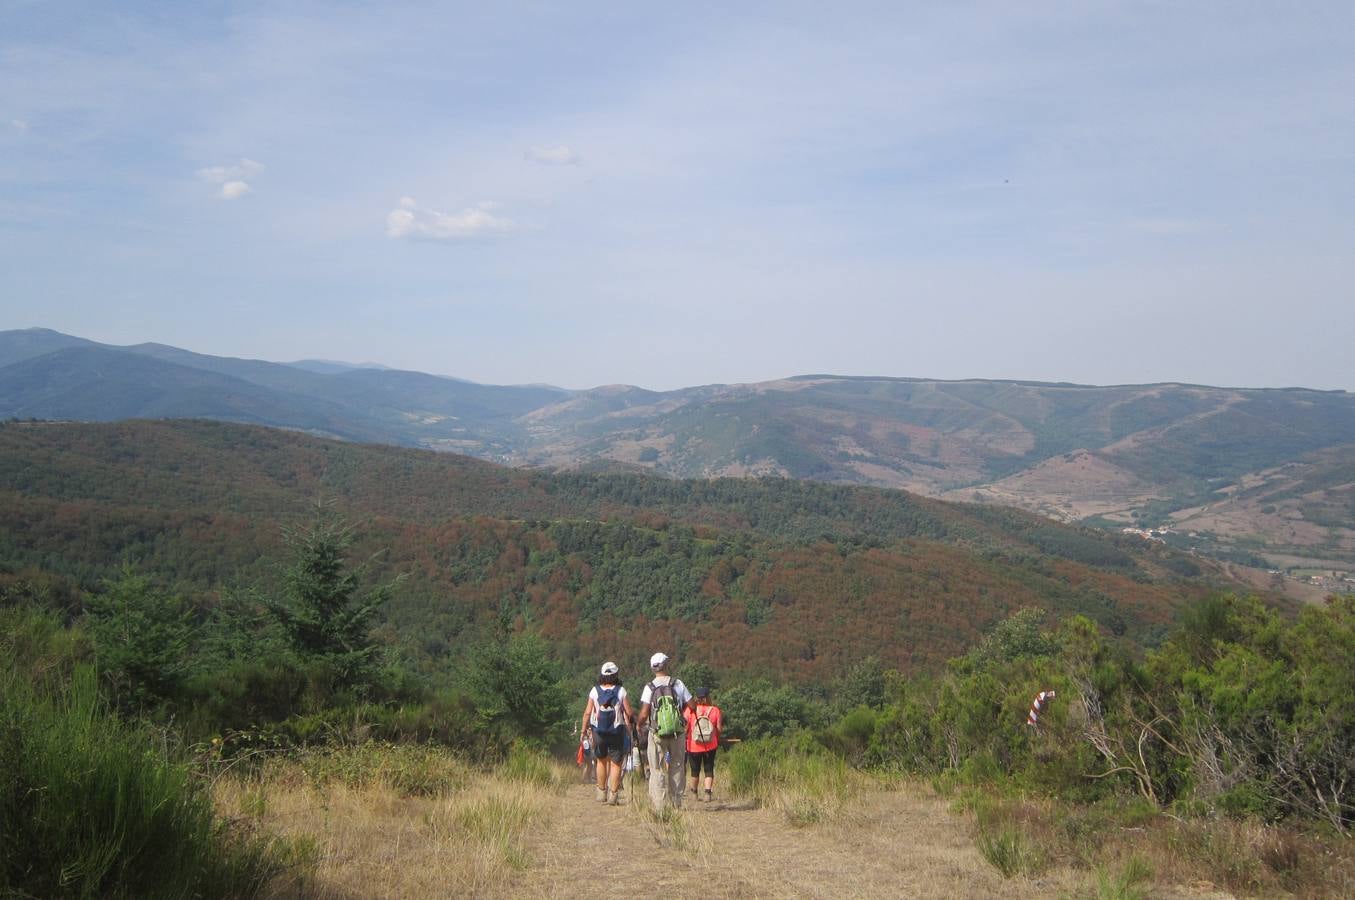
(19, 125)
(234, 180)
(559, 155)
(410, 220)
(233, 189)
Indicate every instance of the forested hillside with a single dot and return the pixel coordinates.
(796, 577)
(1154, 455)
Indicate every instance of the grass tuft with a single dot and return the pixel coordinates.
(530, 766)
(1010, 851)
(808, 788)
(491, 821)
(1127, 883)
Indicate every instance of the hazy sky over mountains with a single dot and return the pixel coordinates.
(672, 194)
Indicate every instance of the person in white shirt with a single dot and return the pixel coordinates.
(607, 717)
(662, 705)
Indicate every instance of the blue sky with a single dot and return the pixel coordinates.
(680, 194)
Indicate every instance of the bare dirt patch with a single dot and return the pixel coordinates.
(1070, 487)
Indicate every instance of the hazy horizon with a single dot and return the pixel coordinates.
(1096, 193)
(377, 364)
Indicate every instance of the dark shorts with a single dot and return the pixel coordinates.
(609, 746)
(698, 761)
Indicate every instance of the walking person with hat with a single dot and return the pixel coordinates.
(703, 739)
(607, 717)
(662, 705)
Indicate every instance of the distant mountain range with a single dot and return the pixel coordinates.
(1265, 477)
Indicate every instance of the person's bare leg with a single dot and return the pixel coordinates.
(615, 774)
(601, 766)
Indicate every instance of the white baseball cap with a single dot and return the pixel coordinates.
(609, 668)
(658, 660)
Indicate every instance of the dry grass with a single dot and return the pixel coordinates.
(529, 829)
(377, 837)
(1128, 849)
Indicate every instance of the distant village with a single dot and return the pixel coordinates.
(1333, 581)
(1150, 534)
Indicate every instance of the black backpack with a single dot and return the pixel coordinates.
(610, 720)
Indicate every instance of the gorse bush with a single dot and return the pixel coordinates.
(91, 806)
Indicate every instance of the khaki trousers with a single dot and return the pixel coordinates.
(671, 784)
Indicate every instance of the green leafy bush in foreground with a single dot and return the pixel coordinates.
(91, 807)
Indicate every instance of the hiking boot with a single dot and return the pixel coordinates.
(613, 798)
(601, 796)
(709, 797)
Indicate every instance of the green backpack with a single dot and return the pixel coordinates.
(667, 711)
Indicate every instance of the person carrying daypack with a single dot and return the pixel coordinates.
(607, 718)
(661, 715)
(703, 739)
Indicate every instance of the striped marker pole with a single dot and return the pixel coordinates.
(1033, 720)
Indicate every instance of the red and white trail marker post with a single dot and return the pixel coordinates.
(1041, 701)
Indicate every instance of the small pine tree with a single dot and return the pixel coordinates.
(323, 611)
(141, 638)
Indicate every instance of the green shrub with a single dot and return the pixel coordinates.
(850, 737)
(759, 709)
(91, 807)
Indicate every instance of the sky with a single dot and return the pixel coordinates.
(678, 194)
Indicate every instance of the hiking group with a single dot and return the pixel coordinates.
(675, 731)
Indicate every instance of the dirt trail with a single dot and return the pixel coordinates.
(892, 844)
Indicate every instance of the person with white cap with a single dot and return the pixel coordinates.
(662, 705)
(607, 716)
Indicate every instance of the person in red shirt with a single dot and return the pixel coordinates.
(703, 739)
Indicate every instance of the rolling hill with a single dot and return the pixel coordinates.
(751, 575)
(1119, 456)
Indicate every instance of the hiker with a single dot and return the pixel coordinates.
(703, 739)
(607, 717)
(587, 762)
(661, 718)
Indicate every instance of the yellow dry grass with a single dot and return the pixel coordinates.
(374, 840)
(521, 832)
